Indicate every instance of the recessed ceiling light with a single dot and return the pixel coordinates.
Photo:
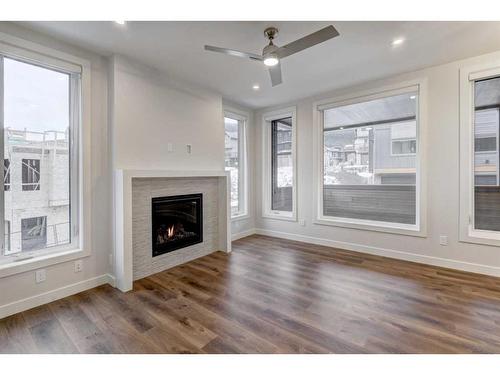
(255, 87)
(120, 22)
(398, 42)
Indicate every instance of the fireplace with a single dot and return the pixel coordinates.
(177, 222)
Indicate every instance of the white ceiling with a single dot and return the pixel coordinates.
(361, 53)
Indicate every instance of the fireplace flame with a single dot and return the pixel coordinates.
(170, 231)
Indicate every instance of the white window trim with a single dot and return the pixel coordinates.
(34, 53)
(420, 228)
(243, 156)
(468, 75)
(267, 118)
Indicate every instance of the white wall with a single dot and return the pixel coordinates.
(442, 152)
(20, 291)
(150, 110)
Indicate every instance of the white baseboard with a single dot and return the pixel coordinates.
(53, 295)
(111, 280)
(245, 233)
(412, 257)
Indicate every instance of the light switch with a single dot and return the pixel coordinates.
(443, 240)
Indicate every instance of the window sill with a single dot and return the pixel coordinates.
(13, 267)
(376, 226)
(480, 237)
(280, 215)
(240, 217)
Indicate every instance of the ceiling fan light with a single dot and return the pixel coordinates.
(271, 60)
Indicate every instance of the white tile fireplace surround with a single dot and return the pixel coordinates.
(133, 235)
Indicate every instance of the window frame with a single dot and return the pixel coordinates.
(419, 229)
(468, 76)
(267, 119)
(80, 139)
(241, 117)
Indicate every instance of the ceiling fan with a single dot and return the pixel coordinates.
(272, 54)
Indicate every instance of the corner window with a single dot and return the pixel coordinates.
(486, 183)
(370, 162)
(41, 119)
(279, 180)
(235, 161)
(479, 156)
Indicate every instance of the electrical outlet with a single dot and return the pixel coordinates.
(443, 240)
(40, 276)
(78, 265)
(302, 222)
(170, 147)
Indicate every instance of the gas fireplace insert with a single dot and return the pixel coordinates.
(177, 222)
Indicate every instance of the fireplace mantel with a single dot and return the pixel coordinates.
(123, 249)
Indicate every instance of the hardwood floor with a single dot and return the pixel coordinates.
(273, 296)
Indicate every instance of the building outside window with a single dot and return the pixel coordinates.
(370, 153)
(404, 139)
(235, 161)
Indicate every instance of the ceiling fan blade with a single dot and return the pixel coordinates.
(310, 40)
(275, 73)
(233, 52)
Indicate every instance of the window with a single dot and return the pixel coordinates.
(479, 156)
(41, 118)
(6, 174)
(279, 167)
(31, 174)
(235, 161)
(369, 169)
(486, 158)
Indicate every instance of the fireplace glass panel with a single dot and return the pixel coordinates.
(177, 222)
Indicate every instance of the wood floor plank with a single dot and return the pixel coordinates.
(15, 336)
(273, 296)
(50, 337)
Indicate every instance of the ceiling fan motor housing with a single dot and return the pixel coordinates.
(271, 33)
